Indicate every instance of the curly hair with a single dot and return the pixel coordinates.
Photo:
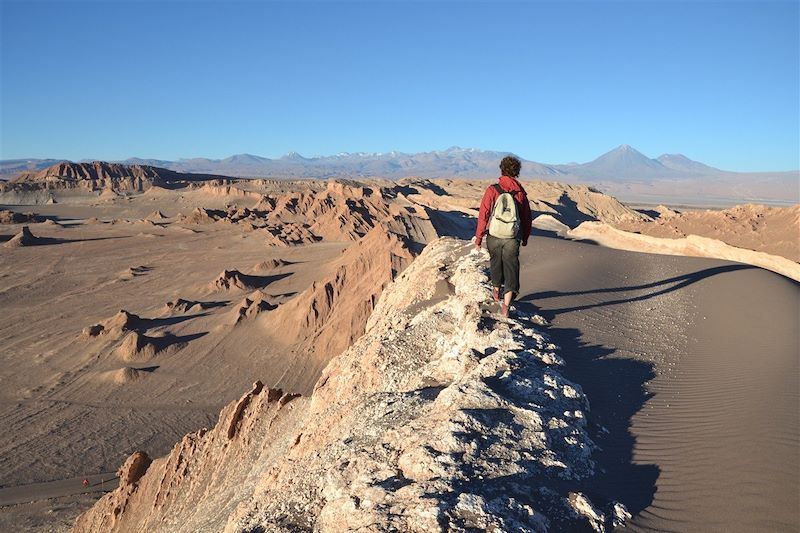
(510, 166)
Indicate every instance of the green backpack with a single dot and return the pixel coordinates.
(504, 223)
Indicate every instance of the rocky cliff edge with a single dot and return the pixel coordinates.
(442, 416)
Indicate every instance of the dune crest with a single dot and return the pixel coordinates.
(691, 245)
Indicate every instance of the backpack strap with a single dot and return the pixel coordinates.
(501, 190)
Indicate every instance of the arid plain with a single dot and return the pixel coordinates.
(138, 303)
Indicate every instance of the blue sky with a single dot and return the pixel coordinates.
(553, 82)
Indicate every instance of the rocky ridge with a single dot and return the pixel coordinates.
(107, 178)
(772, 230)
(442, 416)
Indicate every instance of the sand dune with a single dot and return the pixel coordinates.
(691, 369)
(691, 245)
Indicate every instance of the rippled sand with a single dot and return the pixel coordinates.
(691, 367)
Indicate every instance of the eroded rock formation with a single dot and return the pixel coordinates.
(442, 416)
(23, 238)
(327, 317)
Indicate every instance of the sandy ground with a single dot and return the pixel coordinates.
(690, 364)
(51, 506)
(691, 368)
(64, 415)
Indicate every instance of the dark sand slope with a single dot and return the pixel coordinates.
(691, 368)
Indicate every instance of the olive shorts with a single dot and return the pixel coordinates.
(504, 263)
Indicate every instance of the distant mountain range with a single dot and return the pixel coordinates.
(620, 164)
(623, 170)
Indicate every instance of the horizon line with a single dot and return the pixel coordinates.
(378, 154)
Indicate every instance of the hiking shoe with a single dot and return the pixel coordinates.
(496, 293)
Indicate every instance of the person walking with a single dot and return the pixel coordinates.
(505, 215)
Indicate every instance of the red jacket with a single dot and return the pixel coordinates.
(511, 185)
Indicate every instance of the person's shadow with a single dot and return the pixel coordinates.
(615, 388)
(663, 286)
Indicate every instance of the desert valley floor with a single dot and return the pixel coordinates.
(131, 316)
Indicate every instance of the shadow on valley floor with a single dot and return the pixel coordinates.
(615, 387)
(663, 286)
(149, 323)
(45, 241)
(453, 224)
(414, 187)
(173, 341)
(259, 282)
(566, 211)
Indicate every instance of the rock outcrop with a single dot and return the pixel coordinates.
(100, 174)
(271, 264)
(771, 230)
(568, 204)
(252, 306)
(229, 280)
(156, 215)
(97, 176)
(96, 171)
(115, 326)
(127, 374)
(442, 416)
(327, 317)
(184, 306)
(12, 217)
(24, 238)
(138, 347)
(345, 211)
